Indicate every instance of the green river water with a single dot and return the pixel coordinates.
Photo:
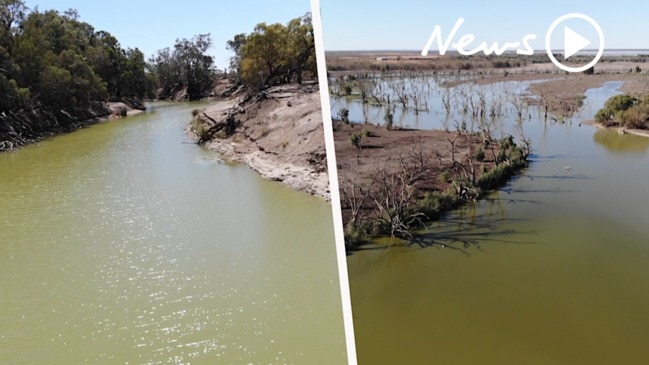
(556, 270)
(120, 244)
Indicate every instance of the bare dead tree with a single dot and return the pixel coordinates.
(364, 87)
(452, 142)
(526, 143)
(355, 195)
(399, 90)
(393, 200)
(446, 101)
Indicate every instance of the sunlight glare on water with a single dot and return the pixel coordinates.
(124, 243)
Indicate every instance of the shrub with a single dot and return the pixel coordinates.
(199, 128)
(359, 232)
(479, 156)
(620, 102)
(615, 110)
(506, 142)
(356, 139)
(435, 203)
(444, 176)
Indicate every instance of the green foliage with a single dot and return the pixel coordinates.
(433, 204)
(444, 177)
(276, 53)
(506, 143)
(186, 67)
(199, 127)
(511, 158)
(359, 232)
(620, 102)
(56, 71)
(235, 45)
(65, 62)
(626, 111)
(356, 139)
(479, 156)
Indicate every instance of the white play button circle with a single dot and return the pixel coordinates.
(574, 42)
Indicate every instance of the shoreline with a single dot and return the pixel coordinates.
(295, 177)
(278, 134)
(393, 182)
(619, 130)
(113, 110)
(558, 95)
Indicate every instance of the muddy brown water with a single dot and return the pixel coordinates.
(554, 268)
(119, 244)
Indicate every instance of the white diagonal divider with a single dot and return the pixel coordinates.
(332, 169)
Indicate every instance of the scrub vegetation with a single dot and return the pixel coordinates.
(625, 111)
(58, 73)
(274, 54)
(393, 182)
(270, 56)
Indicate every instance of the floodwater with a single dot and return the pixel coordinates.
(124, 244)
(551, 269)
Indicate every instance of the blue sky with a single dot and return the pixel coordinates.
(152, 25)
(407, 24)
(354, 24)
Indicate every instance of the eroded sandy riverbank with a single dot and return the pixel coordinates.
(279, 135)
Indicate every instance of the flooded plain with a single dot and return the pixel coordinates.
(550, 269)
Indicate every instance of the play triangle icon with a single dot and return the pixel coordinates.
(573, 42)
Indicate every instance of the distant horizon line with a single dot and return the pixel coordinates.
(452, 51)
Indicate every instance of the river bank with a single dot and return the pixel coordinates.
(23, 127)
(278, 133)
(393, 182)
(619, 130)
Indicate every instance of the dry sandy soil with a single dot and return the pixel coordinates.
(280, 136)
(388, 149)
